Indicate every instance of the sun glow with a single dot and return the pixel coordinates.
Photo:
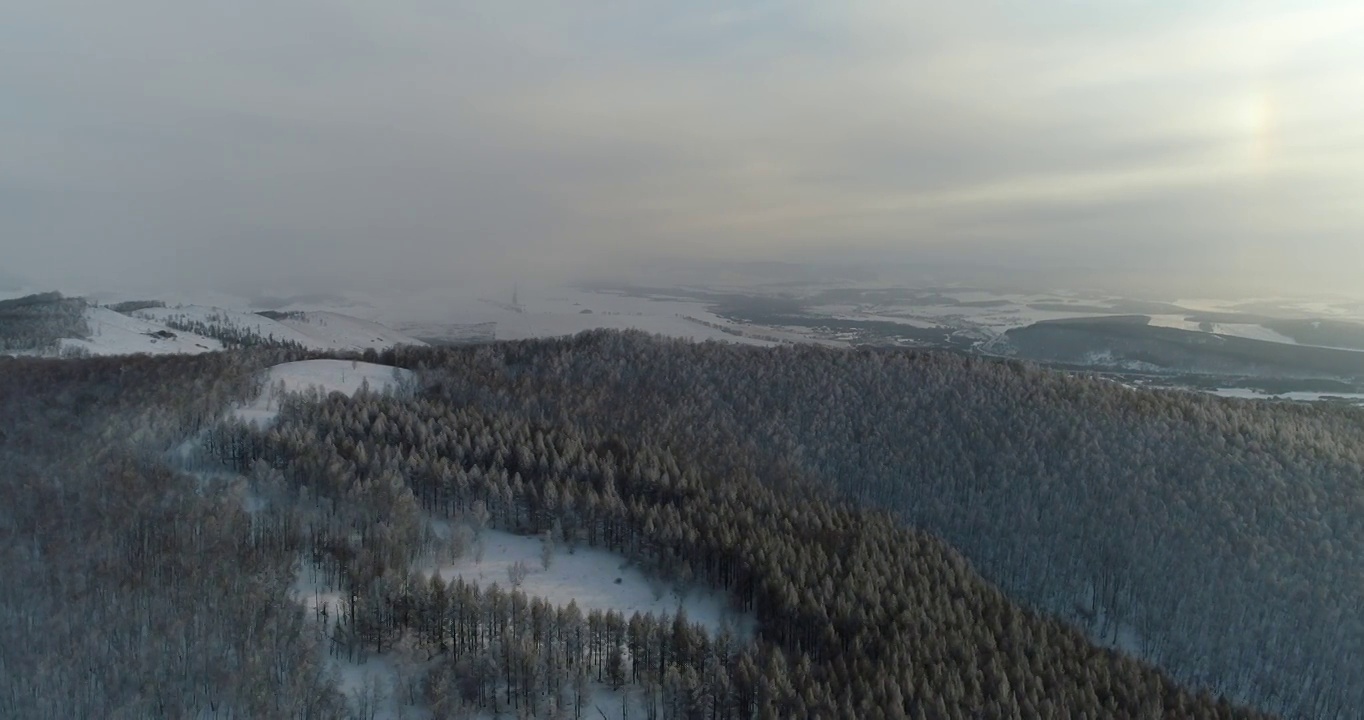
(1253, 121)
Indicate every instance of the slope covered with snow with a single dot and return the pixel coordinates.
(312, 331)
(225, 318)
(335, 331)
(113, 333)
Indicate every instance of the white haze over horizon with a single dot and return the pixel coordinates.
(1177, 146)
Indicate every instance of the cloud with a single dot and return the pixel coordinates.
(302, 141)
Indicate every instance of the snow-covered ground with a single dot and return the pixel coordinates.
(346, 376)
(1241, 330)
(113, 333)
(594, 579)
(343, 332)
(1300, 396)
(572, 311)
(1252, 332)
(147, 331)
(857, 312)
(1342, 308)
(557, 312)
(997, 319)
(313, 330)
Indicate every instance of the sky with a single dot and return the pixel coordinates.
(330, 143)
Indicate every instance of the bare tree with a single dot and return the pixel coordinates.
(517, 573)
(547, 549)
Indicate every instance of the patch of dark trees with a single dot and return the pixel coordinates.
(230, 332)
(1210, 536)
(36, 323)
(138, 591)
(132, 306)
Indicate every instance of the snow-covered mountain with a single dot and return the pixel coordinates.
(132, 328)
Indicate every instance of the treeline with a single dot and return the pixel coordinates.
(131, 306)
(131, 591)
(283, 315)
(858, 615)
(36, 323)
(142, 592)
(502, 651)
(230, 333)
(1216, 538)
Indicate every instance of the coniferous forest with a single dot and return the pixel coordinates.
(918, 535)
(37, 322)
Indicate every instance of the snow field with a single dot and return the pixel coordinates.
(345, 376)
(565, 311)
(314, 330)
(344, 332)
(595, 579)
(1299, 396)
(113, 333)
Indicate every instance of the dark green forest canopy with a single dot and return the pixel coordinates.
(130, 590)
(1215, 537)
(720, 463)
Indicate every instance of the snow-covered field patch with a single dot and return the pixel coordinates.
(565, 311)
(327, 376)
(314, 331)
(1177, 322)
(1252, 332)
(1242, 330)
(596, 579)
(113, 333)
(1300, 396)
(335, 331)
(994, 318)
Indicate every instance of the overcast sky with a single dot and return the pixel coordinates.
(419, 141)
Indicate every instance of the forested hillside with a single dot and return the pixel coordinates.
(36, 323)
(129, 590)
(858, 616)
(1217, 538)
(142, 591)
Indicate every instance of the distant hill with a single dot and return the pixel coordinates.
(35, 324)
(301, 330)
(1129, 342)
(1323, 333)
(52, 324)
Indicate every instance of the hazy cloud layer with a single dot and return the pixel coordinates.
(307, 141)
